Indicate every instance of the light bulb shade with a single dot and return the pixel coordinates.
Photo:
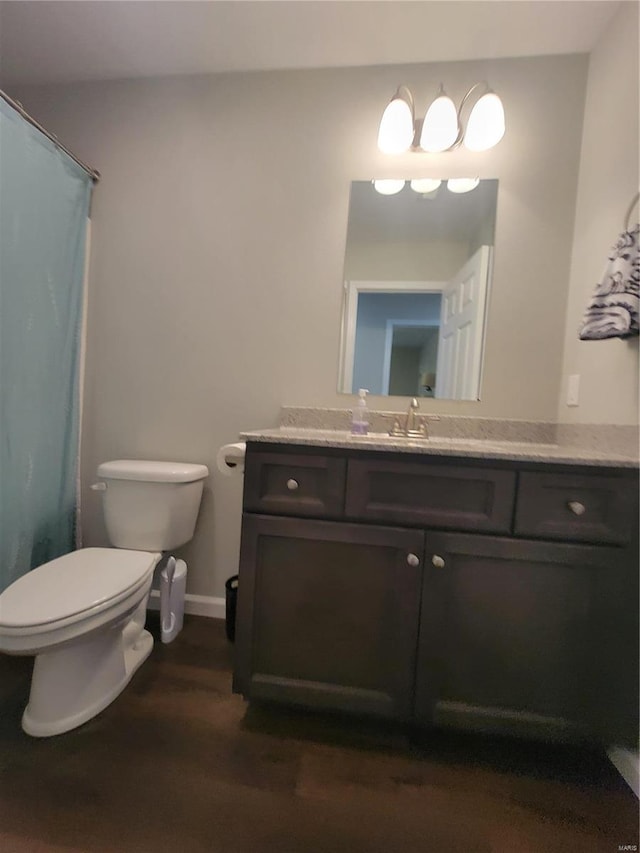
(485, 127)
(396, 126)
(388, 186)
(425, 185)
(440, 126)
(462, 185)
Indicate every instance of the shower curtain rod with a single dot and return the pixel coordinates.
(93, 173)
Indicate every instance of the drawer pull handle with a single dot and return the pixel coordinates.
(412, 560)
(577, 508)
(437, 561)
(292, 485)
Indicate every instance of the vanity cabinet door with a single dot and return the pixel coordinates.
(511, 636)
(328, 614)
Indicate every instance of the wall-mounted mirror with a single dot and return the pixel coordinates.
(417, 276)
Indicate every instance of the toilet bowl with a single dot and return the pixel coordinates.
(82, 615)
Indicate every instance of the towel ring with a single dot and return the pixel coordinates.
(630, 211)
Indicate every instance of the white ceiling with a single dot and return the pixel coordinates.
(73, 40)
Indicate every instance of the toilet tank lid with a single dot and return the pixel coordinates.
(147, 471)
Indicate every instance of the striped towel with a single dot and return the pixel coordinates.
(613, 309)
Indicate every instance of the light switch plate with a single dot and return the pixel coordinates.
(573, 389)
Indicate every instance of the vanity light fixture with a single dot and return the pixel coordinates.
(396, 126)
(442, 127)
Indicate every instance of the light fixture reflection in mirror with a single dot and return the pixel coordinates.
(462, 185)
(416, 282)
(425, 186)
(388, 186)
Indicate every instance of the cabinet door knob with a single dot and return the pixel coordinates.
(437, 561)
(577, 508)
(292, 485)
(412, 560)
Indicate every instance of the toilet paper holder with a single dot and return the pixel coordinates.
(230, 458)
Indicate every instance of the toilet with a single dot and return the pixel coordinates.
(83, 615)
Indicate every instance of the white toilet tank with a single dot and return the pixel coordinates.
(151, 506)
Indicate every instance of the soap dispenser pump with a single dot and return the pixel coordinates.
(360, 415)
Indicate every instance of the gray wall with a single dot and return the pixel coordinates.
(218, 246)
(404, 261)
(608, 369)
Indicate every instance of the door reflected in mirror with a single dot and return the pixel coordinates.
(416, 285)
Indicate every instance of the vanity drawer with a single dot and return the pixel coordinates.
(443, 496)
(294, 484)
(582, 508)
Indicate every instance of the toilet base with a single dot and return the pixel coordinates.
(73, 683)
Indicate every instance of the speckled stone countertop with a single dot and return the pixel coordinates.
(445, 446)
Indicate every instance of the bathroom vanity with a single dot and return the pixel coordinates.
(487, 586)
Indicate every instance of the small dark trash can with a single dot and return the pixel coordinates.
(231, 601)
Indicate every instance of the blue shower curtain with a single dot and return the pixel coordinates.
(44, 205)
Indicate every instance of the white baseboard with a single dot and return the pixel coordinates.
(197, 605)
(627, 763)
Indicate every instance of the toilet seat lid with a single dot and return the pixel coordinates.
(75, 583)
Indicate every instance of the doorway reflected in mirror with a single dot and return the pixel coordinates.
(417, 280)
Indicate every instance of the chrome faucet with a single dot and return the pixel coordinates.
(414, 425)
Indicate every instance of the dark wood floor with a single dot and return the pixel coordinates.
(177, 763)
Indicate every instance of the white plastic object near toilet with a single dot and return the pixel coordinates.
(83, 614)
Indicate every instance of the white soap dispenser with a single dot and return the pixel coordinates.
(360, 415)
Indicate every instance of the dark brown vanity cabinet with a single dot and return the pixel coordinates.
(494, 595)
(328, 614)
